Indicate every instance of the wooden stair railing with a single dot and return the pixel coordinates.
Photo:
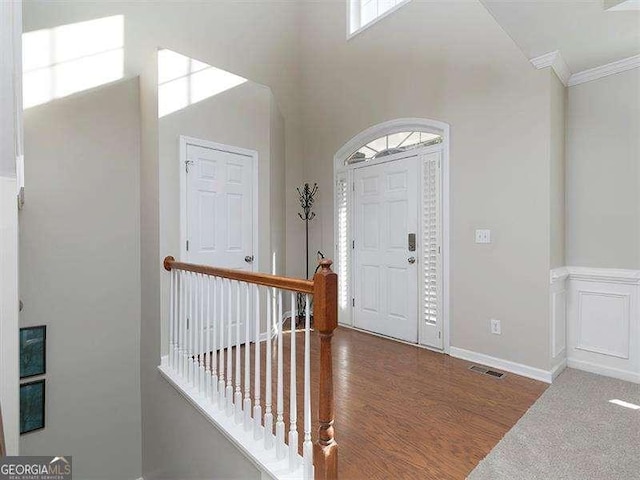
(323, 287)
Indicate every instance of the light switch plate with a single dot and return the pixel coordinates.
(496, 328)
(483, 236)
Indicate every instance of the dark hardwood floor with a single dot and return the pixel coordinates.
(403, 412)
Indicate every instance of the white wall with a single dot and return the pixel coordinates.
(80, 276)
(448, 61)
(603, 172)
(10, 147)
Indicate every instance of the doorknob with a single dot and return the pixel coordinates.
(248, 258)
(411, 260)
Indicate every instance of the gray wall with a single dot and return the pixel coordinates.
(256, 41)
(414, 64)
(80, 276)
(603, 172)
(558, 99)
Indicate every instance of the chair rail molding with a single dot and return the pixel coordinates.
(602, 319)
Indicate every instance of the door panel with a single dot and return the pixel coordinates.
(386, 284)
(220, 218)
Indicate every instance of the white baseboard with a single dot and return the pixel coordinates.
(603, 370)
(513, 367)
(558, 369)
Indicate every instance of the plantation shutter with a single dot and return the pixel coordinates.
(343, 246)
(431, 235)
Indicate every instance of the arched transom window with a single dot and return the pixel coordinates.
(391, 144)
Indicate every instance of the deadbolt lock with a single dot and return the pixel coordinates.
(411, 240)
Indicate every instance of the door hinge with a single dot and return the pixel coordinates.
(187, 245)
(438, 248)
(353, 302)
(353, 186)
(186, 165)
(353, 244)
(439, 334)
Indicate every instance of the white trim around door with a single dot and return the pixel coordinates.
(343, 212)
(184, 142)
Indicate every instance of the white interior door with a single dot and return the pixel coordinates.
(219, 208)
(219, 217)
(386, 210)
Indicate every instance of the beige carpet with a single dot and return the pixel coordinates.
(572, 432)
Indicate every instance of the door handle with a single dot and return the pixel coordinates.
(411, 260)
(248, 258)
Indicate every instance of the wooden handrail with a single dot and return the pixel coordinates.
(284, 283)
(3, 448)
(324, 288)
(325, 320)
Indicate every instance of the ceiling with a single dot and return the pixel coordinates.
(586, 34)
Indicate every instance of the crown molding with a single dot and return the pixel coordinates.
(556, 62)
(604, 70)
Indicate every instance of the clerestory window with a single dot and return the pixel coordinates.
(363, 13)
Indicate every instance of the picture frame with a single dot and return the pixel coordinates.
(32, 406)
(33, 351)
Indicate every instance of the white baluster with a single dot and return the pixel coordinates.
(171, 317)
(257, 409)
(207, 332)
(192, 330)
(176, 322)
(199, 350)
(237, 401)
(221, 372)
(177, 358)
(229, 389)
(202, 332)
(213, 356)
(183, 324)
(307, 445)
(280, 445)
(268, 416)
(247, 361)
(293, 398)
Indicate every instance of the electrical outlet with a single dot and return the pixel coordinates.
(496, 329)
(483, 236)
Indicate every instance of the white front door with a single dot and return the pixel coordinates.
(219, 218)
(386, 264)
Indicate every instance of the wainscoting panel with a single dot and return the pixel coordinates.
(603, 321)
(558, 302)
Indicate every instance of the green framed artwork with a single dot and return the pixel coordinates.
(33, 351)
(32, 406)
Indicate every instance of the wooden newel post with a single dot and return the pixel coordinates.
(325, 320)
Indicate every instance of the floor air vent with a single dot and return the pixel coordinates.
(486, 371)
